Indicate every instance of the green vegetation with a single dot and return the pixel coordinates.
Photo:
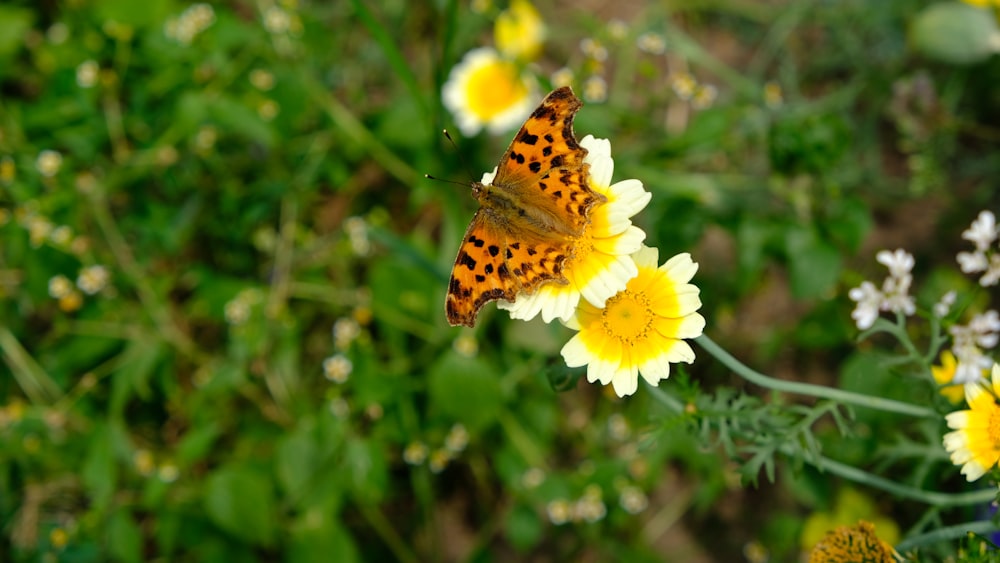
(222, 282)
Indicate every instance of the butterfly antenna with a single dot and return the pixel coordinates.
(447, 135)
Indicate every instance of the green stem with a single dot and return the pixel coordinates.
(147, 295)
(935, 498)
(33, 380)
(344, 120)
(384, 529)
(521, 441)
(812, 390)
(947, 533)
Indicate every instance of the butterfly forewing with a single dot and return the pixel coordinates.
(530, 216)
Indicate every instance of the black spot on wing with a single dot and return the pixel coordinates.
(535, 167)
(467, 261)
(528, 138)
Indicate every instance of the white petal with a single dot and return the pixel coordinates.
(575, 353)
(680, 268)
(625, 381)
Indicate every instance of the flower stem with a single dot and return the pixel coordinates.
(821, 391)
(947, 533)
(935, 498)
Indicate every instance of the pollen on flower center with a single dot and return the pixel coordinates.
(993, 429)
(627, 317)
(493, 89)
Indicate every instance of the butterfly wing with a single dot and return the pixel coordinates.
(495, 263)
(544, 164)
(531, 214)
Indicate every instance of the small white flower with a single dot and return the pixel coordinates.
(457, 439)
(900, 262)
(533, 477)
(869, 301)
(276, 20)
(86, 74)
(60, 286)
(942, 307)
(704, 96)
(345, 331)
(559, 511)
(972, 262)
(339, 408)
(93, 279)
(633, 500)
(236, 311)
(562, 77)
(48, 163)
(992, 275)
(337, 368)
(595, 89)
(652, 43)
(983, 231)
(168, 472)
(415, 453)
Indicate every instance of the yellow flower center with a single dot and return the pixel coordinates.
(627, 316)
(993, 429)
(494, 88)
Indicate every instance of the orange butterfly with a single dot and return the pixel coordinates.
(530, 217)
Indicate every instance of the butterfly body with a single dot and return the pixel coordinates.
(530, 216)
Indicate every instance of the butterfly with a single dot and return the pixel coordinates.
(530, 216)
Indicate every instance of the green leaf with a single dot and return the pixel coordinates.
(240, 501)
(850, 221)
(467, 390)
(197, 444)
(954, 32)
(322, 539)
(14, 24)
(124, 537)
(524, 528)
(367, 470)
(99, 471)
(295, 461)
(139, 362)
(814, 265)
(237, 118)
(139, 14)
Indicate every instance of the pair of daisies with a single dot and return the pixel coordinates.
(630, 313)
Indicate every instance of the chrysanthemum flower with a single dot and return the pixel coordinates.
(486, 91)
(602, 263)
(944, 376)
(975, 442)
(640, 330)
(852, 544)
(519, 31)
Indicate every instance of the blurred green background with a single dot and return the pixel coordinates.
(222, 275)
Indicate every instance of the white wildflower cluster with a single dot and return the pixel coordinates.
(418, 452)
(968, 342)
(192, 21)
(894, 296)
(588, 508)
(982, 233)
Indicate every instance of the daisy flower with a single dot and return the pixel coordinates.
(944, 376)
(849, 544)
(640, 329)
(519, 31)
(602, 263)
(975, 442)
(485, 91)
